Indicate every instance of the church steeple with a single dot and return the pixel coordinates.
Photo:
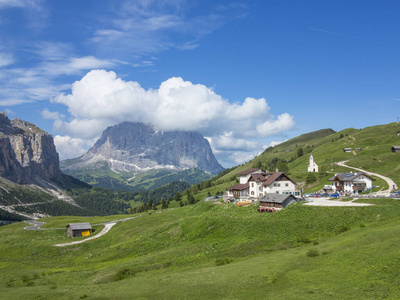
(312, 167)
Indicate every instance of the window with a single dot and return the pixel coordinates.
(252, 184)
(252, 193)
(286, 184)
(277, 192)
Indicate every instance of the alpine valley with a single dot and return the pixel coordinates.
(32, 184)
(136, 156)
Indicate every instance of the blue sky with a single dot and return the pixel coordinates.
(246, 74)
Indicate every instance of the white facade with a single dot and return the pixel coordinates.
(258, 189)
(312, 167)
(350, 183)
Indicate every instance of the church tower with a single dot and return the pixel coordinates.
(312, 167)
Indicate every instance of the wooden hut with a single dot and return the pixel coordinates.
(277, 200)
(79, 229)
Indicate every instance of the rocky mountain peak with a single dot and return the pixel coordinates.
(27, 153)
(134, 147)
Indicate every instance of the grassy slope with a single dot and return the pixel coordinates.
(301, 253)
(327, 148)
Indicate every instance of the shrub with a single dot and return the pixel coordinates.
(222, 261)
(122, 274)
(344, 228)
(312, 253)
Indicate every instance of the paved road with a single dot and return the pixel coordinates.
(321, 201)
(106, 229)
(390, 182)
(35, 225)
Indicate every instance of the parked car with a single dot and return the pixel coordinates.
(324, 195)
(334, 195)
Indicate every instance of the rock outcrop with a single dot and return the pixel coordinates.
(137, 147)
(27, 153)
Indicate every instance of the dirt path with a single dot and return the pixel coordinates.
(390, 182)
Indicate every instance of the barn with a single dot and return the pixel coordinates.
(276, 201)
(79, 229)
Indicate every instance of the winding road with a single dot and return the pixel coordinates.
(106, 229)
(390, 182)
(107, 226)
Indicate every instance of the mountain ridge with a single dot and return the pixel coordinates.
(132, 148)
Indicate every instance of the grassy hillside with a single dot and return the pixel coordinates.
(326, 146)
(215, 251)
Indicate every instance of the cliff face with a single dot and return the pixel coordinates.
(27, 153)
(136, 147)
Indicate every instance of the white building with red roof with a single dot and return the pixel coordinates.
(255, 183)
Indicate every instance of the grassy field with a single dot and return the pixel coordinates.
(212, 251)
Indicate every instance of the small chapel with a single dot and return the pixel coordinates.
(312, 167)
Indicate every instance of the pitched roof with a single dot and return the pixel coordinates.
(238, 186)
(248, 171)
(79, 226)
(257, 177)
(277, 198)
(349, 176)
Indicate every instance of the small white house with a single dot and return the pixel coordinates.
(351, 183)
(312, 167)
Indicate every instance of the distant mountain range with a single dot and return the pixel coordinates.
(138, 156)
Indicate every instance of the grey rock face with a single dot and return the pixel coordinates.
(136, 147)
(27, 153)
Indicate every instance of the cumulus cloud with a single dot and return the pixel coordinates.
(101, 99)
(282, 123)
(68, 147)
(52, 115)
(275, 143)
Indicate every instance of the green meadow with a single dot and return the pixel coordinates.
(212, 251)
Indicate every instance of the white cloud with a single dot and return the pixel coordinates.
(68, 147)
(151, 26)
(52, 115)
(226, 141)
(271, 127)
(6, 59)
(101, 99)
(275, 143)
(74, 65)
(18, 3)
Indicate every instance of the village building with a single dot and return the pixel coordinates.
(79, 229)
(312, 167)
(347, 150)
(358, 149)
(255, 183)
(274, 202)
(351, 183)
(395, 149)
